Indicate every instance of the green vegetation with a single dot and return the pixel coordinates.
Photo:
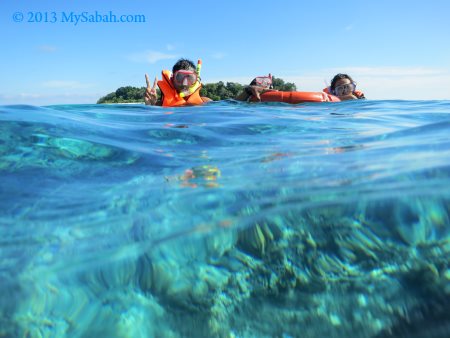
(279, 84)
(124, 95)
(220, 91)
(216, 91)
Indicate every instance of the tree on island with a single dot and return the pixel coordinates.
(126, 94)
(216, 91)
(279, 84)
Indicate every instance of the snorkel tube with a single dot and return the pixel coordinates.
(196, 85)
(199, 68)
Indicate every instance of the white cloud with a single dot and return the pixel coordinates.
(28, 96)
(40, 99)
(391, 71)
(218, 55)
(349, 28)
(63, 84)
(47, 48)
(54, 92)
(150, 57)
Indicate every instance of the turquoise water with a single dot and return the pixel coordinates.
(226, 220)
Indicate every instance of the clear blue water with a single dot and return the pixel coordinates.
(226, 220)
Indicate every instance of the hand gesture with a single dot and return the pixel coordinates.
(150, 96)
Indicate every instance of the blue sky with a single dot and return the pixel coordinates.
(394, 49)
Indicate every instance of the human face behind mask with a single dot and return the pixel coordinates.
(344, 89)
(183, 79)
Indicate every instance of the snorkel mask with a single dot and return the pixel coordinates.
(184, 77)
(344, 89)
(264, 81)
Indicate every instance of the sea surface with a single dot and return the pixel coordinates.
(226, 220)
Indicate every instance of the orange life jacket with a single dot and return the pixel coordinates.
(359, 94)
(171, 97)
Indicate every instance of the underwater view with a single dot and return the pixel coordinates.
(229, 219)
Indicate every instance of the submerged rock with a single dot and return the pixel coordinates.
(257, 239)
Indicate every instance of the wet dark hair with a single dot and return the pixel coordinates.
(338, 77)
(184, 64)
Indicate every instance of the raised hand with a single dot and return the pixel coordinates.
(150, 96)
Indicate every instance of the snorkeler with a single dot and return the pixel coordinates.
(258, 86)
(343, 86)
(179, 88)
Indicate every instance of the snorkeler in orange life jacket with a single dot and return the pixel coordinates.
(179, 88)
